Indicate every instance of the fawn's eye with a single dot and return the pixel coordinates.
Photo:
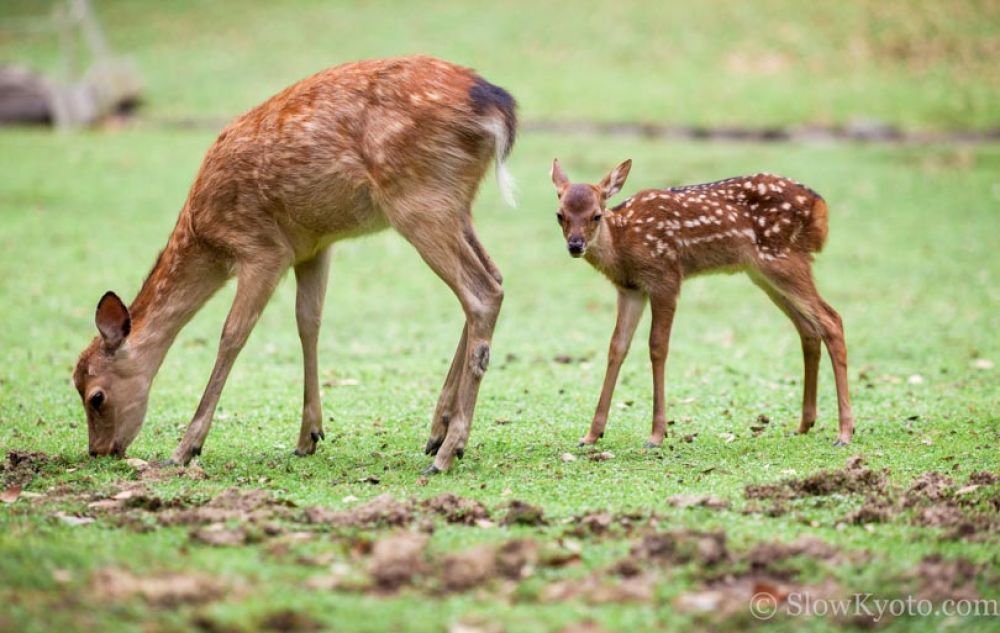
(597, 217)
(96, 400)
(560, 217)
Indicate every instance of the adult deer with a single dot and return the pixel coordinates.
(354, 149)
(765, 225)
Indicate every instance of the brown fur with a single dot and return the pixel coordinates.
(764, 225)
(354, 149)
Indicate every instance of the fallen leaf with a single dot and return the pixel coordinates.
(964, 490)
(568, 457)
(728, 437)
(982, 363)
(349, 499)
(915, 379)
(11, 494)
(136, 463)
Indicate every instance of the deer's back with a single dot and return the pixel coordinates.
(322, 157)
(729, 224)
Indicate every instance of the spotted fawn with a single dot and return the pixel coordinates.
(765, 225)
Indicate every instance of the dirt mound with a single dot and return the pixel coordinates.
(678, 547)
(522, 513)
(457, 509)
(21, 467)
(855, 477)
(398, 560)
(166, 589)
(382, 511)
(938, 579)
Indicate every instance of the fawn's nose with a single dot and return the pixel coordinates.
(575, 246)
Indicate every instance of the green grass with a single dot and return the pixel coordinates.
(911, 264)
(921, 64)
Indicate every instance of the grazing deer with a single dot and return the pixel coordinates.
(351, 150)
(765, 225)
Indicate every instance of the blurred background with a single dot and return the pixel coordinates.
(889, 108)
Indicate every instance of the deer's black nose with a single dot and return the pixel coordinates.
(575, 246)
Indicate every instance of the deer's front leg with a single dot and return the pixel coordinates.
(663, 306)
(255, 285)
(311, 278)
(630, 306)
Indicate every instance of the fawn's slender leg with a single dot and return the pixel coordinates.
(811, 348)
(450, 254)
(793, 279)
(311, 278)
(446, 401)
(664, 304)
(630, 306)
(255, 284)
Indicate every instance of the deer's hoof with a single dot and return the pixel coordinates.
(839, 443)
(650, 444)
(432, 446)
(316, 436)
(430, 470)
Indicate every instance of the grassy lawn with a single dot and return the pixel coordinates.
(912, 265)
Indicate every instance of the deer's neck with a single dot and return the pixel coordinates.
(602, 254)
(185, 276)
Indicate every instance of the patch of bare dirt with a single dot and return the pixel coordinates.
(609, 524)
(382, 511)
(678, 547)
(398, 560)
(455, 509)
(855, 477)
(289, 621)
(468, 569)
(165, 590)
(938, 579)
(595, 589)
(522, 513)
(21, 467)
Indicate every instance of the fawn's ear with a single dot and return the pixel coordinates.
(559, 178)
(614, 181)
(113, 320)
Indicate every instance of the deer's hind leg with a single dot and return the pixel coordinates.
(811, 342)
(311, 279)
(792, 279)
(446, 401)
(441, 236)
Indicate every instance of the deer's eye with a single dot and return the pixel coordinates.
(560, 217)
(597, 217)
(96, 400)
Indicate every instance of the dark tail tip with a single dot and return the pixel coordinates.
(485, 96)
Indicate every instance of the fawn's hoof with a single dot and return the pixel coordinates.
(432, 446)
(650, 444)
(430, 470)
(301, 452)
(841, 443)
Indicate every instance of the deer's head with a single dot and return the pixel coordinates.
(113, 390)
(582, 205)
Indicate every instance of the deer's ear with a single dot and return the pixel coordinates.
(614, 181)
(113, 320)
(559, 178)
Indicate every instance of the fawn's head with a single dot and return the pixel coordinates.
(582, 205)
(113, 391)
